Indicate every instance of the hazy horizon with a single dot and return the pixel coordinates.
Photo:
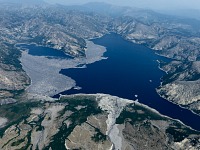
(150, 4)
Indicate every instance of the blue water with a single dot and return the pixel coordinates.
(127, 72)
(43, 51)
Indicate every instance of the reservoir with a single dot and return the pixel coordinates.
(35, 50)
(131, 71)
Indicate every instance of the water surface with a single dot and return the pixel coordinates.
(43, 51)
(131, 71)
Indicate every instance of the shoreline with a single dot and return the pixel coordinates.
(38, 69)
(179, 105)
(170, 100)
(105, 58)
(39, 45)
(161, 83)
(128, 101)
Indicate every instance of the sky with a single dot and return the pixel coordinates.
(151, 4)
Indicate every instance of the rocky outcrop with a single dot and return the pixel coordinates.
(90, 135)
(184, 93)
(12, 81)
(92, 122)
(44, 72)
(181, 84)
(66, 29)
(50, 26)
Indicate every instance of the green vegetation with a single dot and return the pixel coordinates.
(170, 77)
(194, 141)
(137, 113)
(192, 75)
(37, 39)
(77, 118)
(179, 133)
(16, 113)
(10, 55)
(98, 137)
(18, 142)
(28, 144)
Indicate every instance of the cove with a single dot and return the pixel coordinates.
(131, 71)
(43, 51)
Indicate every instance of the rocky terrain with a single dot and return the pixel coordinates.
(12, 83)
(45, 25)
(176, 40)
(181, 84)
(91, 122)
(32, 120)
(59, 27)
(39, 68)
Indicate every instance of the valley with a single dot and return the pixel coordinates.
(33, 114)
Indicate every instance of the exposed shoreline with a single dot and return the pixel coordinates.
(161, 83)
(127, 101)
(44, 72)
(91, 57)
(167, 99)
(112, 110)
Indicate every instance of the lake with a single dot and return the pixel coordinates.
(35, 50)
(131, 71)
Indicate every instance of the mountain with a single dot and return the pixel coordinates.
(58, 27)
(40, 121)
(23, 1)
(185, 13)
(92, 122)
